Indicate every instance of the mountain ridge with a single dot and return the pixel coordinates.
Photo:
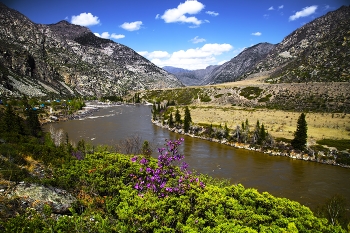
(68, 59)
(319, 51)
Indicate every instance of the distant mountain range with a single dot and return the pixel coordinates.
(190, 77)
(67, 59)
(318, 51)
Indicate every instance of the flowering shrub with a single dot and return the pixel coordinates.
(78, 155)
(171, 175)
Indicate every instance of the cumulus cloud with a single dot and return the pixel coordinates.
(271, 8)
(303, 13)
(157, 16)
(178, 15)
(212, 13)
(194, 58)
(85, 19)
(133, 26)
(197, 40)
(256, 33)
(106, 35)
(281, 7)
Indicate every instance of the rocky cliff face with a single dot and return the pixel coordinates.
(67, 59)
(318, 51)
(239, 65)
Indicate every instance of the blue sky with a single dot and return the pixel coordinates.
(189, 34)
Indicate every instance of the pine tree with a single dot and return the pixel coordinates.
(262, 134)
(226, 131)
(171, 121)
(154, 112)
(32, 121)
(177, 116)
(300, 135)
(187, 119)
(11, 123)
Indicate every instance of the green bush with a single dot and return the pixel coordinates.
(251, 92)
(341, 144)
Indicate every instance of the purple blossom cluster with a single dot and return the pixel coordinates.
(166, 178)
(78, 155)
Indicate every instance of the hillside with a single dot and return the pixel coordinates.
(239, 65)
(318, 51)
(67, 59)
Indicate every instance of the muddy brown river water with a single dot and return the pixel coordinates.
(309, 183)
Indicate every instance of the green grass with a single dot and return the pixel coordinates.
(339, 144)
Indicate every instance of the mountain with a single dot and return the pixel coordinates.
(239, 65)
(319, 51)
(190, 77)
(67, 59)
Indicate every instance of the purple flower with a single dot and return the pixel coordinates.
(143, 161)
(133, 159)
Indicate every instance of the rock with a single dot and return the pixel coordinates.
(36, 196)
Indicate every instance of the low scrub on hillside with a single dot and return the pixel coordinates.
(130, 193)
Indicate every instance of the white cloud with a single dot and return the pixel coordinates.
(271, 8)
(195, 58)
(303, 13)
(117, 36)
(178, 14)
(266, 16)
(197, 40)
(106, 35)
(85, 19)
(256, 33)
(133, 26)
(212, 13)
(281, 7)
(157, 16)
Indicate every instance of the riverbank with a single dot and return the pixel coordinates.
(86, 111)
(270, 151)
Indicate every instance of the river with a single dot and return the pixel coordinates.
(309, 183)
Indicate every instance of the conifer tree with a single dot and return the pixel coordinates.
(154, 112)
(226, 131)
(262, 134)
(187, 119)
(171, 121)
(177, 116)
(300, 135)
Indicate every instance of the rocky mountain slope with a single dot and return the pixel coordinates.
(67, 59)
(190, 77)
(318, 51)
(239, 65)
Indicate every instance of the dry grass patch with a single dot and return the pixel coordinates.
(278, 123)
